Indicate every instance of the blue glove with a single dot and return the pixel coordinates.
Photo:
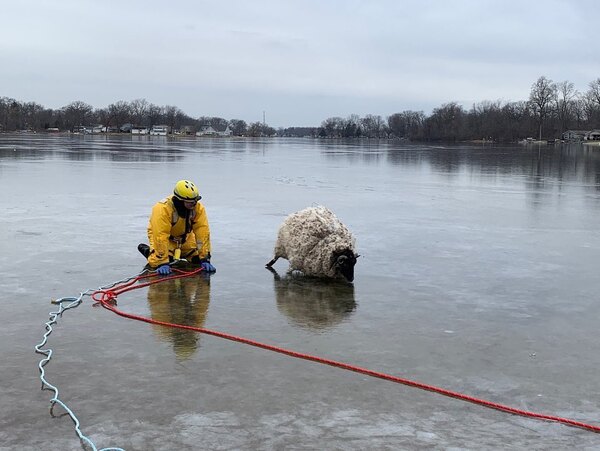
(207, 267)
(164, 270)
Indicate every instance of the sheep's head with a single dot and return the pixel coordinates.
(344, 264)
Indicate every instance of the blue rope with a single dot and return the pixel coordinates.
(71, 303)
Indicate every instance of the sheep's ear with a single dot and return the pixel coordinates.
(356, 255)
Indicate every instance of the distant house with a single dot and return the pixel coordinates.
(574, 135)
(206, 130)
(225, 132)
(126, 128)
(214, 130)
(139, 130)
(92, 129)
(594, 135)
(160, 130)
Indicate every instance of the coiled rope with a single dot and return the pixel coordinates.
(68, 303)
(64, 304)
(107, 297)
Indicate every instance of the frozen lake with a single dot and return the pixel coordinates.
(478, 274)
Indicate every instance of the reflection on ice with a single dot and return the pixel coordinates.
(313, 303)
(180, 301)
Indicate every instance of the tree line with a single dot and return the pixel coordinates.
(16, 115)
(550, 109)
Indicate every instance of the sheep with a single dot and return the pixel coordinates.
(316, 243)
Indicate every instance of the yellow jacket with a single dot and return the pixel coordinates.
(166, 227)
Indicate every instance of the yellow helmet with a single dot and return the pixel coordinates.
(186, 191)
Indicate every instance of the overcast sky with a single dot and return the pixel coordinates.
(300, 62)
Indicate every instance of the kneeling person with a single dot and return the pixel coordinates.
(178, 228)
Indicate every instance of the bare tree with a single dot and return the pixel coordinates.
(408, 124)
(333, 126)
(565, 96)
(484, 121)
(351, 127)
(218, 123)
(238, 127)
(594, 91)
(578, 111)
(373, 126)
(34, 115)
(446, 123)
(397, 125)
(139, 110)
(171, 114)
(154, 115)
(543, 93)
(592, 102)
(257, 129)
(77, 113)
(517, 121)
(119, 113)
(102, 116)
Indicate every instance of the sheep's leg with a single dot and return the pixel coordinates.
(272, 262)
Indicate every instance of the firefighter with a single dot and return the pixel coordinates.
(178, 229)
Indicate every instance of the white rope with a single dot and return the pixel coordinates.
(65, 304)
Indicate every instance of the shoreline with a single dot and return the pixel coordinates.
(190, 136)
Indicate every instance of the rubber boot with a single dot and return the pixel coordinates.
(144, 249)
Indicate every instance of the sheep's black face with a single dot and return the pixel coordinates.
(344, 264)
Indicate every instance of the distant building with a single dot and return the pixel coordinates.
(206, 130)
(93, 129)
(139, 130)
(126, 128)
(214, 130)
(594, 135)
(574, 135)
(160, 130)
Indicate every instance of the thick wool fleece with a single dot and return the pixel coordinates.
(309, 239)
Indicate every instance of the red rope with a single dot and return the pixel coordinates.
(107, 299)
